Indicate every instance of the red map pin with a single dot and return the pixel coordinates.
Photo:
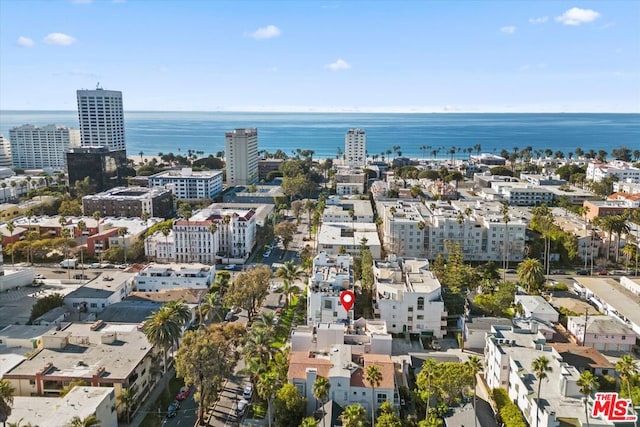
(347, 298)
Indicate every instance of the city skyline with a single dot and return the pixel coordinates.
(381, 56)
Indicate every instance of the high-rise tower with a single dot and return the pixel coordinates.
(241, 152)
(101, 118)
(355, 147)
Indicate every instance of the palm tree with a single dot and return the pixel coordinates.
(321, 389)
(530, 272)
(289, 271)
(474, 365)
(19, 424)
(627, 368)
(208, 307)
(354, 416)
(89, 421)
(373, 376)
(213, 229)
(588, 385)
(504, 210)
(122, 232)
(267, 386)
(259, 345)
(308, 422)
(540, 367)
(82, 226)
(289, 290)
(127, 399)
(162, 329)
(11, 228)
(166, 230)
(6, 400)
(619, 227)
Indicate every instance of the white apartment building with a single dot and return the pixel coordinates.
(403, 227)
(625, 171)
(160, 247)
(355, 147)
(35, 147)
(340, 209)
(364, 336)
(349, 181)
(408, 297)
(478, 228)
(331, 275)
(101, 118)
(241, 155)
(5, 152)
(508, 355)
(163, 277)
(345, 371)
(187, 184)
(96, 295)
(335, 237)
(211, 234)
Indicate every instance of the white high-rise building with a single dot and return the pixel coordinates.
(5, 153)
(35, 147)
(241, 152)
(355, 147)
(101, 118)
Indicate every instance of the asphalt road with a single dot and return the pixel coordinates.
(186, 416)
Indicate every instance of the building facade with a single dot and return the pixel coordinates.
(163, 277)
(101, 118)
(331, 275)
(131, 202)
(5, 153)
(241, 152)
(104, 168)
(409, 297)
(355, 147)
(187, 184)
(35, 147)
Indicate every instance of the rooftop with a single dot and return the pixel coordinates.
(24, 331)
(127, 193)
(82, 353)
(102, 286)
(187, 173)
(535, 304)
(623, 300)
(129, 311)
(602, 325)
(485, 323)
(582, 357)
(189, 295)
(57, 411)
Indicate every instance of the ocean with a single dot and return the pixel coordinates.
(155, 132)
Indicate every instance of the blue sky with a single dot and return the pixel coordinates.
(502, 56)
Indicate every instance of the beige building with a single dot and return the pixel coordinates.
(101, 354)
(35, 147)
(241, 155)
(355, 147)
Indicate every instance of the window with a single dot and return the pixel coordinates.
(420, 317)
(381, 398)
(328, 304)
(421, 303)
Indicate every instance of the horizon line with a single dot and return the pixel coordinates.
(338, 111)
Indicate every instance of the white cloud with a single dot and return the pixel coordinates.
(576, 16)
(25, 41)
(540, 20)
(509, 29)
(267, 32)
(60, 39)
(340, 64)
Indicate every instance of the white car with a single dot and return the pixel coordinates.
(242, 407)
(247, 392)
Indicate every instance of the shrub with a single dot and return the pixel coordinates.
(509, 412)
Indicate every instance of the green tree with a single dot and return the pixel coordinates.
(286, 230)
(308, 422)
(627, 368)
(127, 400)
(541, 368)
(162, 329)
(267, 386)
(445, 381)
(373, 376)
(6, 400)
(321, 389)
(388, 417)
(290, 271)
(354, 416)
(89, 421)
(289, 290)
(588, 385)
(474, 364)
(249, 289)
(45, 304)
(530, 273)
(289, 406)
(208, 307)
(206, 357)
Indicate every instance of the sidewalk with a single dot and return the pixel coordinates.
(146, 407)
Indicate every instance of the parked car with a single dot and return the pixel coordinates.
(95, 265)
(276, 320)
(602, 273)
(266, 254)
(229, 316)
(275, 287)
(172, 410)
(242, 407)
(184, 393)
(279, 310)
(247, 392)
(435, 344)
(229, 267)
(80, 276)
(511, 271)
